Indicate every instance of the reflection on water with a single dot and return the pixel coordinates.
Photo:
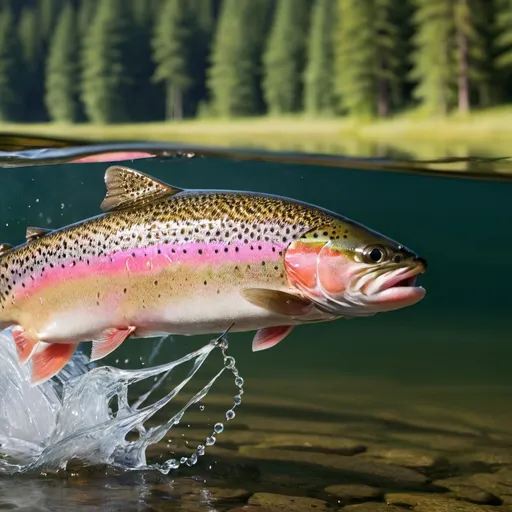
(410, 407)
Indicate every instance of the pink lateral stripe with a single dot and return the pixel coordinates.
(150, 259)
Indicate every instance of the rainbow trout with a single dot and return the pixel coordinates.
(163, 260)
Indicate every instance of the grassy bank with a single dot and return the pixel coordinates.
(484, 133)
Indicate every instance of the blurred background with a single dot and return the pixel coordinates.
(421, 78)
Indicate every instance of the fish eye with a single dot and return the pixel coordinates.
(374, 254)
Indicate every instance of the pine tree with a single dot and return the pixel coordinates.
(503, 44)
(367, 62)
(47, 17)
(63, 71)
(433, 57)
(86, 14)
(285, 56)
(203, 16)
(32, 69)
(107, 89)
(319, 79)
(234, 77)
(148, 103)
(172, 45)
(449, 52)
(10, 65)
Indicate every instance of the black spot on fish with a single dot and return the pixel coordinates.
(200, 251)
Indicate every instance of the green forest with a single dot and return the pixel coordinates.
(124, 61)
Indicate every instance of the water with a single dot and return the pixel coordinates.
(411, 401)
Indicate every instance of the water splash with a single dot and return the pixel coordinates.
(70, 417)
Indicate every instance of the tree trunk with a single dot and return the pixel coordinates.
(383, 88)
(463, 78)
(383, 99)
(178, 103)
(169, 101)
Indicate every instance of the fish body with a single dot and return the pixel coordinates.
(169, 261)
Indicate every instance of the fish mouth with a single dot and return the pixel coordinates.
(395, 288)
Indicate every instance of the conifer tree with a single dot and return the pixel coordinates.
(33, 49)
(48, 14)
(172, 45)
(107, 90)
(86, 13)
(503, 44)
(63, 71)
(319, 79)
(234, 76)
(367, 61)
(285, 56)
(448, 47)
(201, 45)
(10, 66)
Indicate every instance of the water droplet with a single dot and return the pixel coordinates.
(201, 407)
(193, 459)
(200, 449)
(230, 414)
(183, 460)
(126, 361)
(219, 427)
(239, 381)
(229, 362)
(172, 464)
(238, 400)
(210, 441)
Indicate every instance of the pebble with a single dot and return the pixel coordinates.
(288, 503)
(434, 503)
(365, 470)
(352, 493)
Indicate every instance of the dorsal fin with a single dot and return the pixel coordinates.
(127, 188)
(5, 248)
(32, 233)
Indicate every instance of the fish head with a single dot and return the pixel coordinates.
(348, 270)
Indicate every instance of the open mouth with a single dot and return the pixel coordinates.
(408, 281)
(395, 288)
(401, 278)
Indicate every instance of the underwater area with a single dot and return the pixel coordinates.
(406, 410)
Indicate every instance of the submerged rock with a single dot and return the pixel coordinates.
(311, 442)
(409, 457)
(372, 507)
(367, 471)
(468, 492)
(435, 503)
(352, 493)
(277, 502)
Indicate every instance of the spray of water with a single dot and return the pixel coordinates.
(70, 417)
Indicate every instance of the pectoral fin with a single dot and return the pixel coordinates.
(269, 337)
(49, 359)
(110, 340)
(277, 302)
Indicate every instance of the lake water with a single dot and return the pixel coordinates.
(410, 408)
